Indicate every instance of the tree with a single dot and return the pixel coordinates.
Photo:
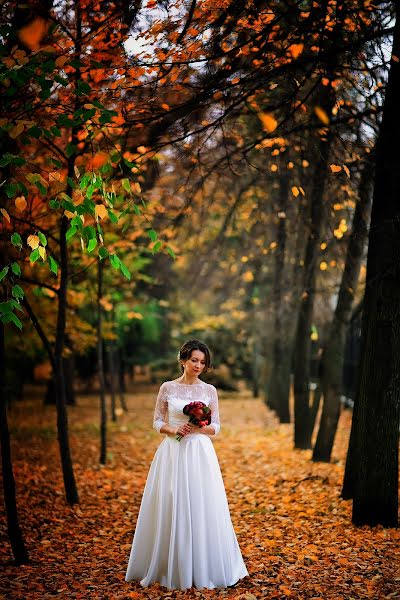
(372, 466)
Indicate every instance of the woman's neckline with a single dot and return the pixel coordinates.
(190, 384)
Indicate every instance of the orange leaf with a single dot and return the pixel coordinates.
(335, 168)
(100, 212)
(31, 35)
(295, 191)
(5, 214)
(20, 203)
(295, 50)
(346, 170)
(321, 114)
(268, 121)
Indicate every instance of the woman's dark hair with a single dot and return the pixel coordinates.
(186, 352)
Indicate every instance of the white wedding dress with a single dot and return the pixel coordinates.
(184, 535)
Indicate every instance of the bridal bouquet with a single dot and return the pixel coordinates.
(199, 414)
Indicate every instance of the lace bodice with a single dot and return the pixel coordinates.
(173, 396)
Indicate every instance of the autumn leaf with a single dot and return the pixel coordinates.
(31, 35)
(15, 131)
(5, 214)
(33, 241)
(100, 212)
(321, 114)
(295, 191)
(335, 168)
(295, 50)
(20, 203)
(346, 170)
(268, 121)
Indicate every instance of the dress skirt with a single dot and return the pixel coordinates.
(184, 535)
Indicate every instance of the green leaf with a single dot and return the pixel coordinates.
(124, 270)
(92, 244)
(83, 88)
(11, 189)
(42, 238)
(54, 204)
(126, 185)
(16, 269)
(6, 307)
(156, 247)
(71, 231)
(53, 265)
(11, 317)
(115, 261)
(16, 240)
(113, 216)
(152, 235)
(137, 210)
(34, 255)
(70, 150)
(3, 272)
(103, 252)
(171, 252)
(17, 291)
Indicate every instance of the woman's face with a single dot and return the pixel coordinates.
(195, 364)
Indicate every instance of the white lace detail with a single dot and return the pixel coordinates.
(172, 397)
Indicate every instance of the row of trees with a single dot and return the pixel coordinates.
(241, 133)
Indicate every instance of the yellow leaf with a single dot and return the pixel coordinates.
(323, 266)
(302, 192)
(295, 191)
(137, 187)
(16, 130)
(20, 203)
(100, 212)
(42, 252)
(33, 241)
(321, 114)
(346, 170)
(69, 214)
(335, 168)
(268, 121)
(5, 214)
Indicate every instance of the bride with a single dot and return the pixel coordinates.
(184, 535)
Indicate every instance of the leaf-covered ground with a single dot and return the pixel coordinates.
(294, 530)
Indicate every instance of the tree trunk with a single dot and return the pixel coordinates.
(69, 370)
(302, 345)
(10, 501)
(62, 417)
(111, 365)
(376, 429)
(333, 354)
(121, 379)
(279, 382)
(100, 366)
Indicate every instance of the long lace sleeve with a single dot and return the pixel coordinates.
(160, 411)
(214, 410)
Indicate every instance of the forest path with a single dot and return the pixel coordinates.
(294, 531)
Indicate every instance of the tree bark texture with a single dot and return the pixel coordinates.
(376, 429)
(14, 530)
(333, 354)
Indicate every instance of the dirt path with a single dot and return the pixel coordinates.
(294, 530)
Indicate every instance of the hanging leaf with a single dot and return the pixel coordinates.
(4, 272)
(53, 265)
(5, 214)
(20, 203)
(269, 122)
(100, 211)
(33, 241)
(322, 116)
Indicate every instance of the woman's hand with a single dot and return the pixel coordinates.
(185, 429)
